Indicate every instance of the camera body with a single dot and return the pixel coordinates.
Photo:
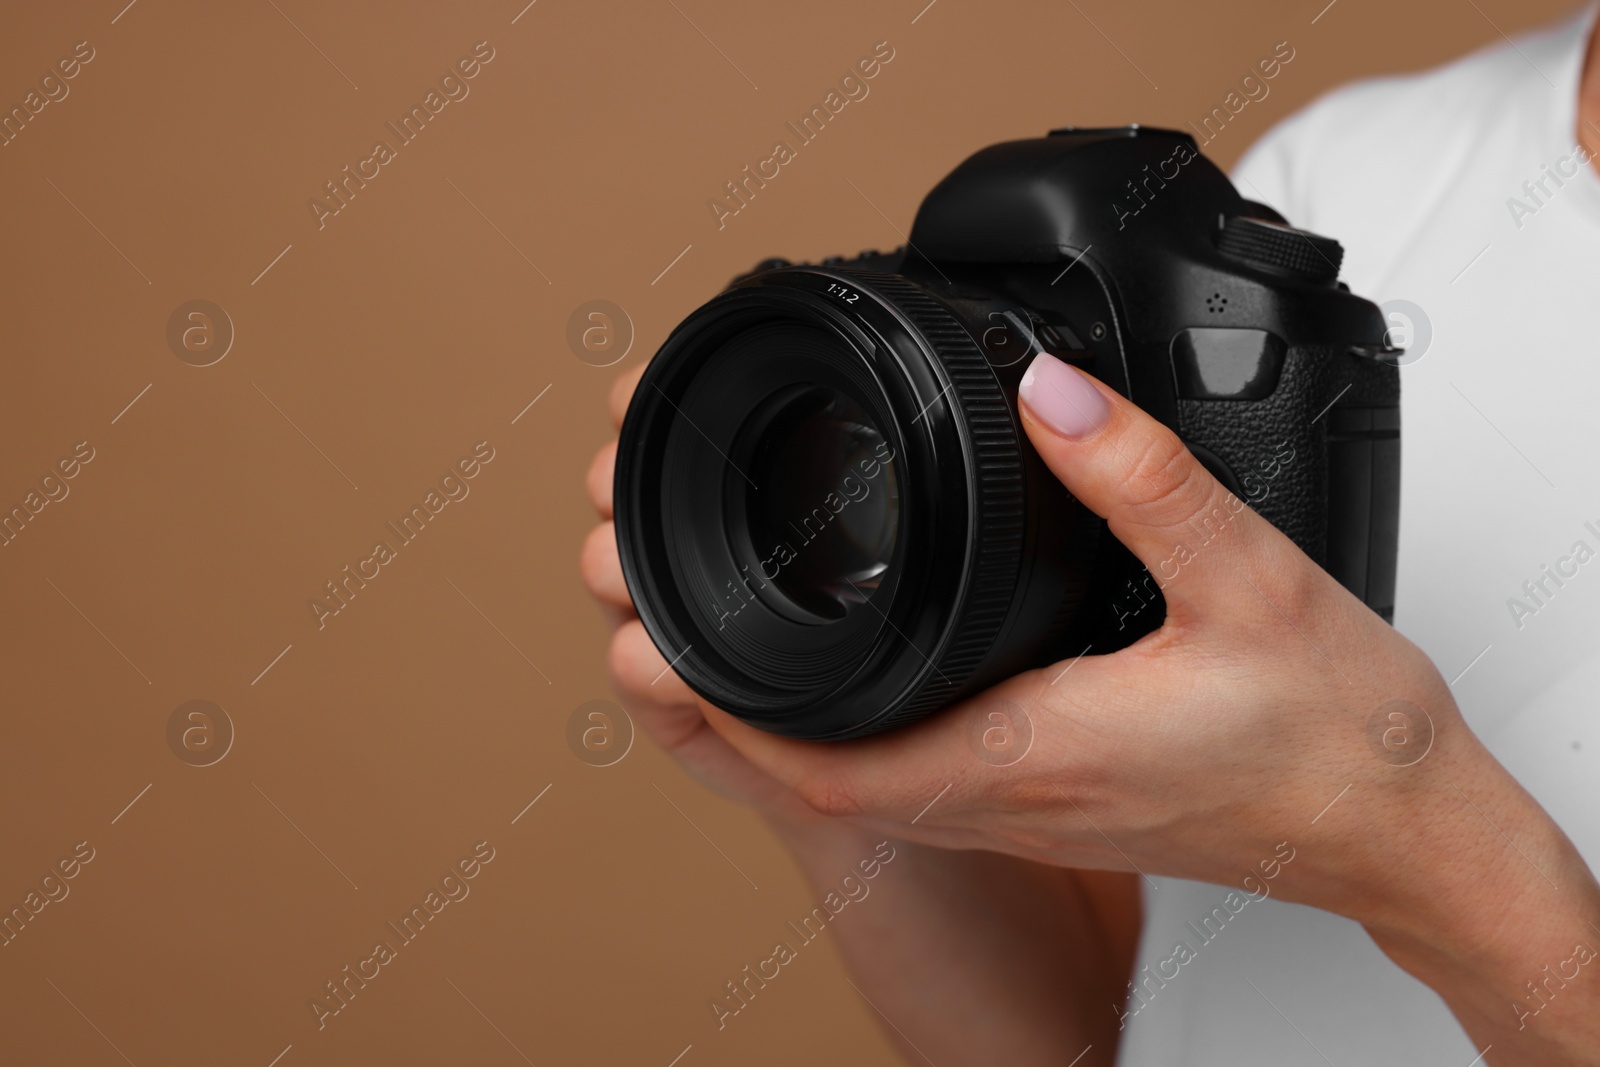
(1122, 251)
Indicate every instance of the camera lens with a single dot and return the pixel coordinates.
(824, 511)
(807, 449)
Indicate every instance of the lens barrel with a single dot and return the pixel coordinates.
(820, 503)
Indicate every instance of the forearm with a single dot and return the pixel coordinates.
(1508, 929)
(971, 957)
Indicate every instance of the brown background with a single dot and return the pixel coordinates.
(391, 341)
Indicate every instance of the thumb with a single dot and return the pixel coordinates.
(1135, 473)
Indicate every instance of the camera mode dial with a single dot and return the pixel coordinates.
(1280, 249)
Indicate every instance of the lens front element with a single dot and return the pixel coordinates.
(825, 507)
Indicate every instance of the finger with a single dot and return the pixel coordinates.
(682, 731)
(1155, 496)
(615, 616)
(667, 711)
(602, 569)
(669, 725)
(638, 670)
(942, 781)
(598, 480)
(895, 775)
(622, 392)
(876, 776)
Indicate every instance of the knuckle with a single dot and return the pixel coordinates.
(1166, 486)
(631, 659)
(825, 794)
(597, 560)
(598, 545)
(622, 392)
(598, 480)
(1293, 585)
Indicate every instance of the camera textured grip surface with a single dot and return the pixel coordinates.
(1278, 446)
(997, 531)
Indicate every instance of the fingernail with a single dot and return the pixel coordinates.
(1063, 399)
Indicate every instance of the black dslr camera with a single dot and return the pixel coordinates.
(829, 517)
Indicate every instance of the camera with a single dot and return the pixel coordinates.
(828, 514)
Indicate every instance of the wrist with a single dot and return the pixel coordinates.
(822, 847)
(1493, 908)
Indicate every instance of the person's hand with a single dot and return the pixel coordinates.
(1198, 750)
(1251, 741)
(1194, 752)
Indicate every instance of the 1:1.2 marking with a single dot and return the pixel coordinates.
(849, 296)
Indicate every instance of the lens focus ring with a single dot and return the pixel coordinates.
(995, 483)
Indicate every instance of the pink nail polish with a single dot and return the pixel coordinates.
(1063, 399)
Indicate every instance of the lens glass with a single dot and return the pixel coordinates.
(825, 506)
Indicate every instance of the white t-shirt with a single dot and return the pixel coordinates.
(1422, 179)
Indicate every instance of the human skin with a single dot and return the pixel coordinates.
(1247, 720)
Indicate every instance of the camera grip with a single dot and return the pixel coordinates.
(1319, 458)
(1363, 442)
